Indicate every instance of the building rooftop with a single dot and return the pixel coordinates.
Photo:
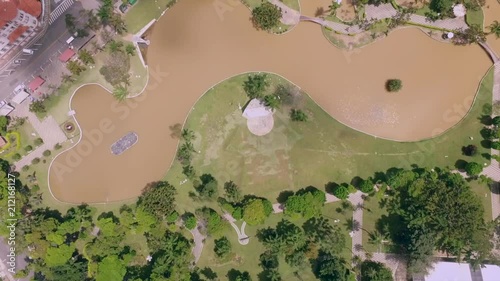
(66, 55)
(37, 82)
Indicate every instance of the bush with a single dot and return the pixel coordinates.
(222, 247)
(366, 186)
(237, 213)
(393, 85)
(495, 145)
(256, 211)
(228, 208)
(341, 192)
(189, 221)
(470, 150)
(47, 153)
(57, 146)
(266, 16)
(473, 168)
(25, 168)
(16, 157)
(173, 217)
(35, 161)
(298, 115)
(38, 141)
(496, 121)
(28, 148)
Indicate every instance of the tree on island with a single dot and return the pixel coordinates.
(473, 34)
(495, 28)
(120, 92)
(272, 101)
(256, 85)
(266, 16)
(298, 115)
(393, 85)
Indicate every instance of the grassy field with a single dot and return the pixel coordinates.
(25, 138)
(143, 12)
(475, 17)
(314, 153)
(246, 257)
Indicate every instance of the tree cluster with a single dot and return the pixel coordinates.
(305, 203)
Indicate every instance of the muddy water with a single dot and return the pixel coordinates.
(492, 13)
(198, 48)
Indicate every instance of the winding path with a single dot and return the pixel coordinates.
(243, 239)
(198, 243)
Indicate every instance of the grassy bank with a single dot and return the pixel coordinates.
(294, 4)
(143, 12)
(296, 155)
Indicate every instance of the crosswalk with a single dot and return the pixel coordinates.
(60, 10)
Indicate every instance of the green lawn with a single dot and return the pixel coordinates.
(246, 257)
(475, 17)
(371, 214)
(143, 12)
(296, 155)
(483, 192)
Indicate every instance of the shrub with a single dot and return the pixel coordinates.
(38, 141)
(189, 221)
(341, 192)
(222, 247)
(28, 148)
(394, 85)
(366, 186)
(16, 157)
(173, 217)
(47, 153)
(57, 146)
(496, 121)
(473, 168)
(35, 161)
(470, 150)
(298, 115)
(495, 145)
(228, 208)
(237, 213)
(25, 168)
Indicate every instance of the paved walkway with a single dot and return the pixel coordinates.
(289, 16)
(243, 239)
(48, 130)
(198, 243)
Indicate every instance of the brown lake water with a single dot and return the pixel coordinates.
(194, 47)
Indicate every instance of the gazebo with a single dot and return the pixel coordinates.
(33, 85)
(259, 117)
(459, 10)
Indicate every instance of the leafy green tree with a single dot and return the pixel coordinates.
(496, 121)
(394, 85)
(329, 267)
(298, 115)
(375, 271)
(208, 188)
(420, 252)
(236, 275)
(158, 198)
(189, 172)
(495, 145)
(189, 221)
(111, 268)
(272, 101)
(469, 150)
(115, 46)
(213, 221)
(305, 203)
(256, 85)
(473, 168)
(72, 271)
(473, 34)
(441, 6)
(341, 192)
(266, 16)
(172, 257)
(37, 106)
(232, 192)
(495, 28)
(120, 92)
(69, 19)
(256, 211)
(330, 238)
(173, 217)
(4, 122)
(222, 247)
(86, 57)
(58, 255)
(130, 49)
(117, 23)
(366, 186)
(75, 67)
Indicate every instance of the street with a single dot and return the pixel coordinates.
(20, 262)
(46, 50)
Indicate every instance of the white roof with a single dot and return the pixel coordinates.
(459, 10)
(490, 272)
(19, 97)
(449, 271)
(256, 109)
(5, 110)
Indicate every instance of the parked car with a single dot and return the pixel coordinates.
(123, 8)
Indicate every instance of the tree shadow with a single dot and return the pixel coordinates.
(460, 164)
(393, 225)
(486, 156)
(356, 181)
(379, 177)
(209, 273)
(330, 187)
(283, 196)
(495, 187)
(109, 215)
(486, 144)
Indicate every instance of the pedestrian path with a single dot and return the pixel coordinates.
(356, 200)
(48, 130)
(59, 10)
(243, 239)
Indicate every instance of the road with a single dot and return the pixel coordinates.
(20, 262)
(47, 49)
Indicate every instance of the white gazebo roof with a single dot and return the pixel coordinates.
(256, 108)
(459, 10)
(259, 117)
(450, 35)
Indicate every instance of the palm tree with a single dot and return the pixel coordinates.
(274, 275)
(67, 78)
(188, 135)
(115, 46)
(130, 49)
(85, 56)
(376, 238)
(495, 28)
(120, 92)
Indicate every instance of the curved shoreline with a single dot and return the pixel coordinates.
(222, 80)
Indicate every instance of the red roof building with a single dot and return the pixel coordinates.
(33, 85)
(32, 7)
(17, 32)
(66, 55)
